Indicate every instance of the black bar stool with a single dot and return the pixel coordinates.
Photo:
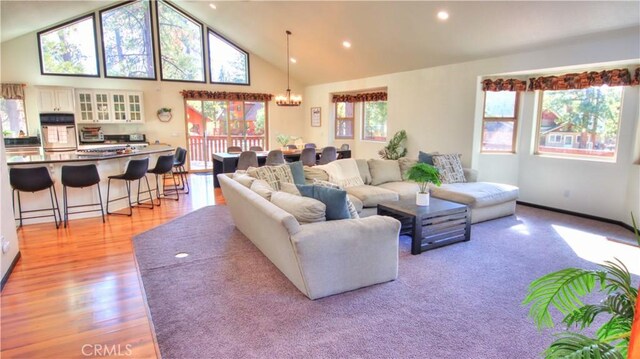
(80, 177)
(164, 166)
(179, 161)
(33, 180)
(136, 170)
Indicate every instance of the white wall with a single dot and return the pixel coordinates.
(20, 64)
(440, 108)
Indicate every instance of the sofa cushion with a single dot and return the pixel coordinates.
(405, 164)
(356, 202)
(290, 188)
(363, 168)
(304, 209)
(450, 168)
(476, 194)
(383, 171)
(262, 188)
(426, 157)
(315, 172)
(297, 172)
(243, 178)
(372, 195)
(405, 190)
(335, 200)
(273, 175)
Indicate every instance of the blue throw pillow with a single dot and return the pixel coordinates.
(297, 171)
(425, 157)
(334, 199)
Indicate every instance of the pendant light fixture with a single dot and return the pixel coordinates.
(288, 99)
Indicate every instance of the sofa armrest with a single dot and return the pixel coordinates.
(343, 255)
(470, 174)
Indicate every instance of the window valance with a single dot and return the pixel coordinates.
(360, 97)
(223, 95)
(13, 91)
(504, 85)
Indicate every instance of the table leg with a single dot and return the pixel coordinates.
(416, 238)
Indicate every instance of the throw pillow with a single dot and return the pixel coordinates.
(304, 209)
(363, 168)
(426, 157)
(450, 168)
(383, 171)
(297, 172)
(311, 173)
(289, 188)
(353, 210)
(273, 175)
(405, 164)
(243, 178)
(335, 200)
(262, 188)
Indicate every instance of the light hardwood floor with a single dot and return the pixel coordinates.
(77, 287)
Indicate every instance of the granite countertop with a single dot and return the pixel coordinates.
(72, 156)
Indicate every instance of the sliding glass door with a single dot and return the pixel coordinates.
(213, 126)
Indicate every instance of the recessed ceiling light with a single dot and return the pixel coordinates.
(213, 6)
(293, 60)
(443, 15)
(346, 44)
(182, 255)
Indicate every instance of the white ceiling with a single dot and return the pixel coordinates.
(387, 36)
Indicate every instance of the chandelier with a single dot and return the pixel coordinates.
(288, 99)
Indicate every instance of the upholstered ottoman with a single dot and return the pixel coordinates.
(487, 200)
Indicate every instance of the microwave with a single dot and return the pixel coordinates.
(91, 134)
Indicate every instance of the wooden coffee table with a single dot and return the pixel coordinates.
(439, 224)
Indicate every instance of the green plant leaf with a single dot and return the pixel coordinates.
(618, 278)
(561, 290)
(578, 346)
(584, 316)
(616, 328)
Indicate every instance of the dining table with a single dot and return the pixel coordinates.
(227, 162)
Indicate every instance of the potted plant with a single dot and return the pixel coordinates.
(284, 140)
(164, 114)
(423, 174)
(395, 148)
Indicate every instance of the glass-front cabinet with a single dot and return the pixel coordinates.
(109, 106)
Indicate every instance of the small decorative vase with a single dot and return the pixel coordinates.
(422, 199)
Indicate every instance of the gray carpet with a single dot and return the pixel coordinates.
(226, 300)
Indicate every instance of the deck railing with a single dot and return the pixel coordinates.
(212, 144)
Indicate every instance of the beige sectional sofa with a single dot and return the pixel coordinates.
(321, 258)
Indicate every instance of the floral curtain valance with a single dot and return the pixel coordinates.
(13, 91)
(360, 97)
(223, 95)
(616, 77)
(504, 85)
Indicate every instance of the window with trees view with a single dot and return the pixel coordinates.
(580, 123)
(127, 41)
(374, 121)
(13, 117)
(181, 45)
(499, 122)
(228, 64)
(344, 120)
(69, 49)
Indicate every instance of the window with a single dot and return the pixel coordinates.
(374, 121)
(181, 45)
(580, 123)
(228, 64)
(344, 120)
(14, 120)
(127, 42)
(499, 122)
(69, 49)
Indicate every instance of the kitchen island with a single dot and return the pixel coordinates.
(108, 164)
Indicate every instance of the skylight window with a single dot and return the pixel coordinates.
(229, 64)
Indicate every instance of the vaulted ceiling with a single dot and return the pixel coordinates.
(386, 37)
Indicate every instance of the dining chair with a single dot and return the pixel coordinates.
(247, 159)
(292, 147)
(344, 147)
(256, 148)
(309, 145)
(232, 149)
(275, 157)
(308, 156)
(329, 154)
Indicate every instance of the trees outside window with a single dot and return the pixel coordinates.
(374, 121)
(69, 49)
(499, 122)
(127, 41)
(580, 123)
(344, 120)
(228, 64)
(13, 117)
(181, 45)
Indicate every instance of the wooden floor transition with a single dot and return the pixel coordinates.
(76, 292)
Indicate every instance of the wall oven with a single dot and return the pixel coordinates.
(58, 132)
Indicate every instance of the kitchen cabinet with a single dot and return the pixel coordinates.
(109, 106)
(55, 99)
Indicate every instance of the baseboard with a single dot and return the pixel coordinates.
(578, 214)
(6, 275)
